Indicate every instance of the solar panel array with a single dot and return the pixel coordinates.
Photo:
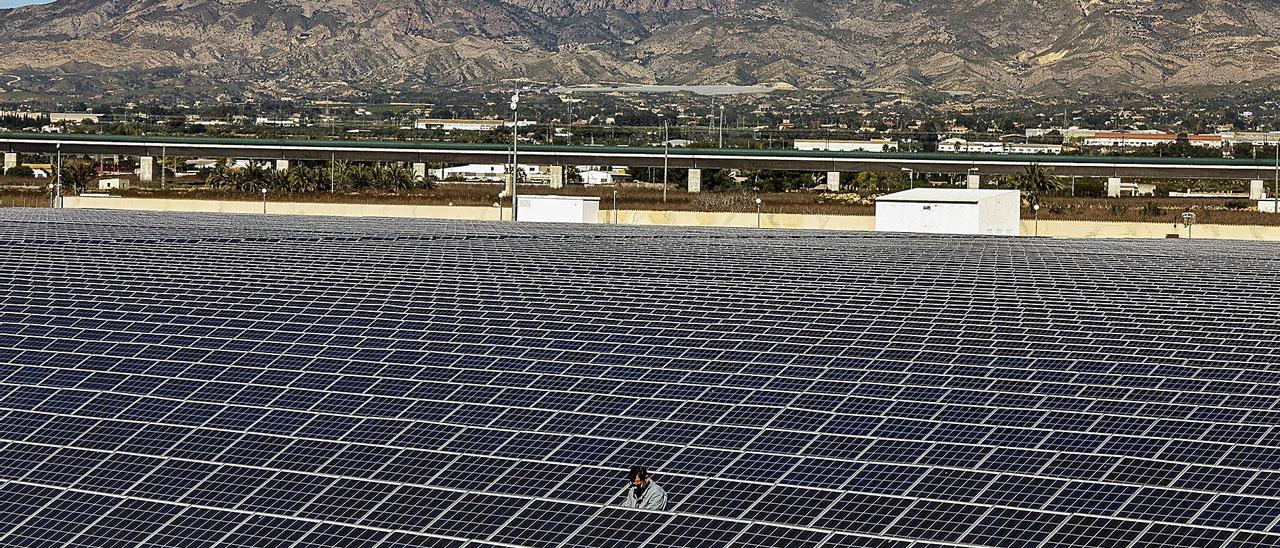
(201, 380)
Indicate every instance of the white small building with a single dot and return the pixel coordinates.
(113, 184)
(599, 177)
(950, 211)
(827, 145)
(559, 209)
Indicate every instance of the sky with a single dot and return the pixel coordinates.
(16, 3)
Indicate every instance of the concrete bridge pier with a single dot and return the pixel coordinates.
(695, 180)
(420, 171)
(557, 176)
(833, 181)
(146, 168)
(10, 160)
(282, 165)
(1257, 189)
(973, 181)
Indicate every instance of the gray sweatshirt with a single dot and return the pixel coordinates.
(653, 498)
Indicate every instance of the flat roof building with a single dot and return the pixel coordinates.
(828, 145)
(956, 144)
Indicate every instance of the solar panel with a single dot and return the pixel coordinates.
(222, 380)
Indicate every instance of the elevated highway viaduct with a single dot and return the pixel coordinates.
(420, 154)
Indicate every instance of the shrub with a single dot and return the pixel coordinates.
(1237, 205)
(20, 171)
(1150, 209)
(1091, 188)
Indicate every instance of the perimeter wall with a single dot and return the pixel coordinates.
(1057, 229)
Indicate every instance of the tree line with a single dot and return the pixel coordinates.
(340, 176)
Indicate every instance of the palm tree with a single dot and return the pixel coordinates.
(1035, 181)
(76, 174)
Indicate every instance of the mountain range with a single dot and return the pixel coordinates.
(336, 48)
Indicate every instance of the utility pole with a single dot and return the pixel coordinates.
(333, 161)
(721, 126)
(57, 185)
(1276, 198)
(515, 159)
(569, 127)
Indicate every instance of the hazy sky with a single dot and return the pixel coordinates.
(15, 3)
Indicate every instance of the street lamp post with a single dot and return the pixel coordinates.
(264, 201)
(757, 191)
(1036, 209)
(1276, 198)
(501, 194)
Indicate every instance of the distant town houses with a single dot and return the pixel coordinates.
(449, 124)
(294, 121)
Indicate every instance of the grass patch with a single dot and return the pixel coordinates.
(23, 198)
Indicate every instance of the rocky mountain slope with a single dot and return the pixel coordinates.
(999, 47)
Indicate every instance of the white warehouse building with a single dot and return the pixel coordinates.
(950, 211)
(492, 173)
(827, 145)
(956, 144)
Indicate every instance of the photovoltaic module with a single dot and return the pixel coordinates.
(232, 380)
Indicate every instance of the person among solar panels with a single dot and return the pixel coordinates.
(643, 493)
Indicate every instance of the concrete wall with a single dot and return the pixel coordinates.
(1058, 229)
(290, 208)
